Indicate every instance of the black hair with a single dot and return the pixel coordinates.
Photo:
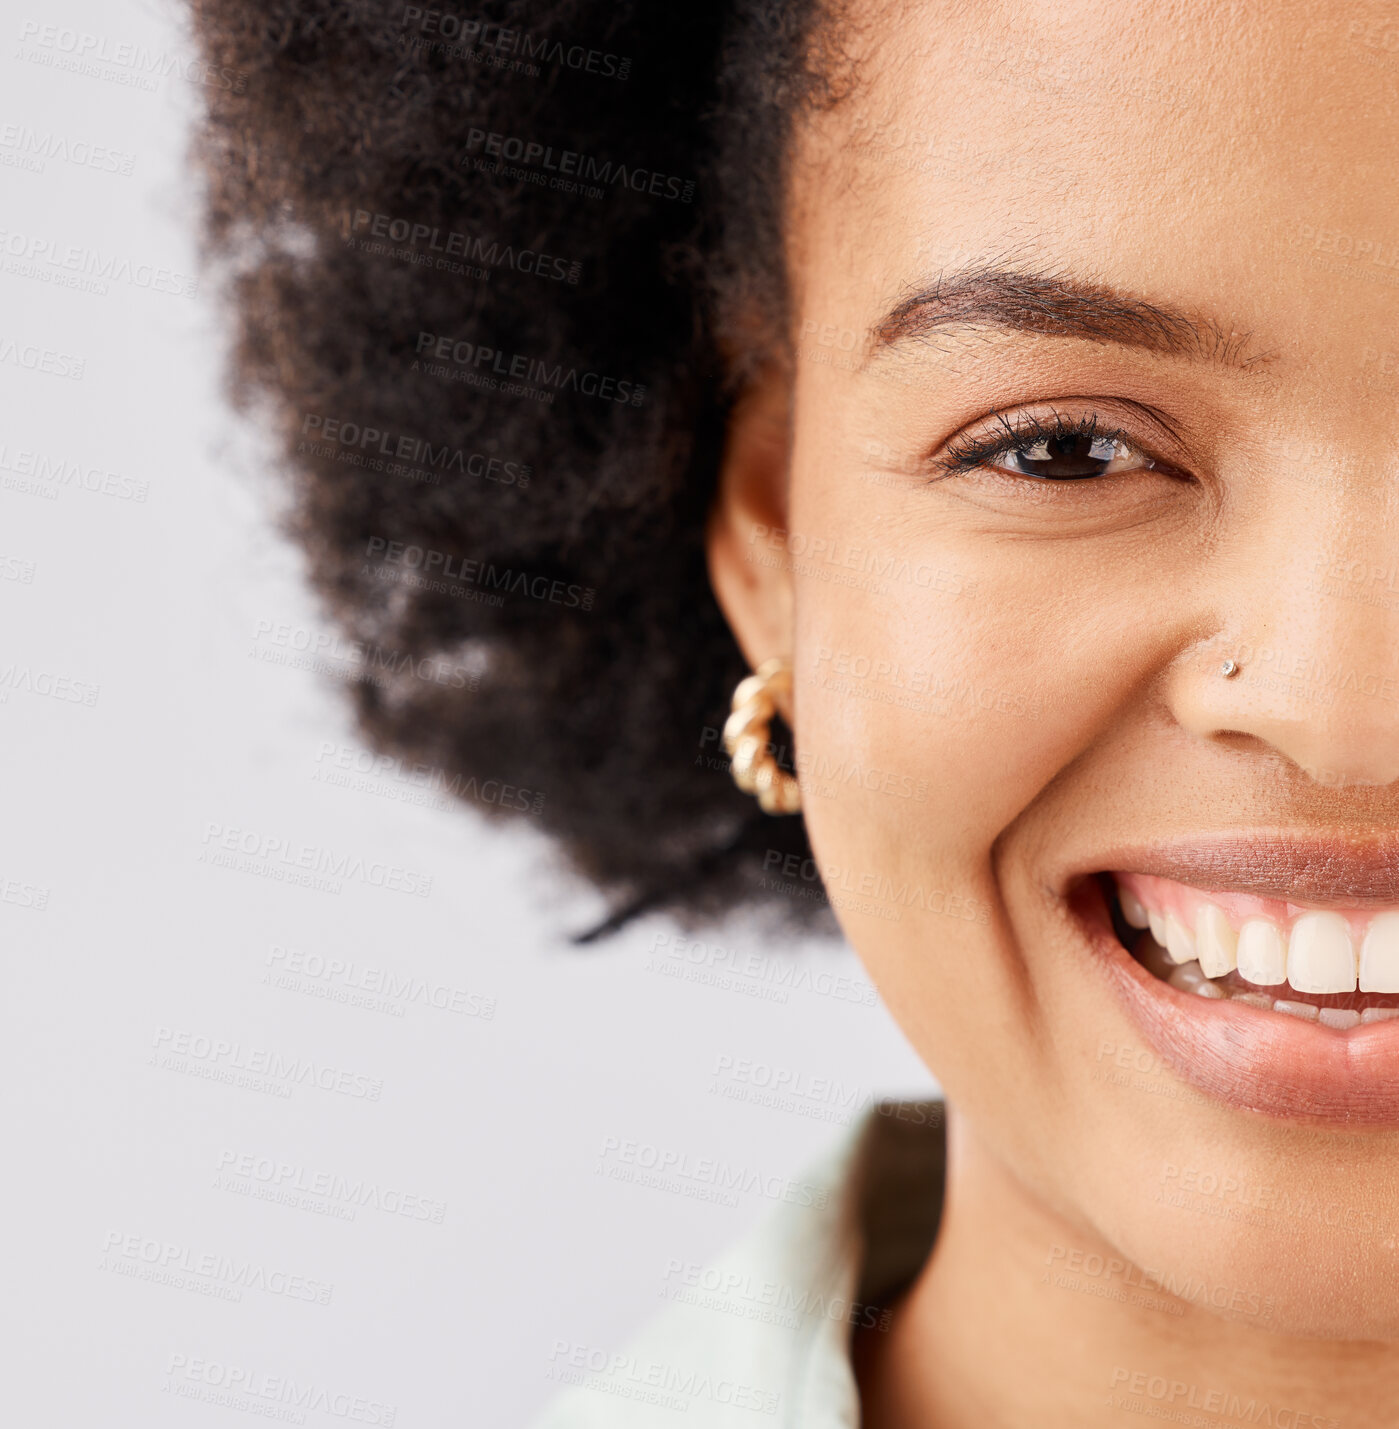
(497, 275)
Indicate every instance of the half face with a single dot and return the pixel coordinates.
(1082, 539)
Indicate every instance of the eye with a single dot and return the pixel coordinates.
(1047, 448)
(1071, 456)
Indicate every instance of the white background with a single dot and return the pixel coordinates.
(138, 1270)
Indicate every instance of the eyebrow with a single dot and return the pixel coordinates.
(1054, 305)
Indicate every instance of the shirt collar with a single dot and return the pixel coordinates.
(762, 1336)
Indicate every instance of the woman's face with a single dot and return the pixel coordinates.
(1097, 331)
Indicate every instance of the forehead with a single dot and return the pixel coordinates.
(1239, 160)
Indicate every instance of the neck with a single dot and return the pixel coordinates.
(1019, 1318)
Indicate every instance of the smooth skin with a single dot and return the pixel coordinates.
(1028, 671)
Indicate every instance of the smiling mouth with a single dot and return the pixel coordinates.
(1338, 968)
(1270, 981)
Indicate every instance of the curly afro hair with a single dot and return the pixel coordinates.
(497, 275)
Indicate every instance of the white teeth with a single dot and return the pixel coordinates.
(1153, 957)
(1187, 977)
(1379, 955)
(1320, 954)
(1253, 999)
(1304, 1010)
(1262, 953)
(1180, 941)
(1318, 957)
(1133, 909)
(1215, 940)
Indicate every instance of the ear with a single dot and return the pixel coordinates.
(746, 540)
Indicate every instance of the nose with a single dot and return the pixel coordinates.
(1314, 638)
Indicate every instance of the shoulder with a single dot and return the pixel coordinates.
(764, 1331)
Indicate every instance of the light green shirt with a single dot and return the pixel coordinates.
(761, 1339)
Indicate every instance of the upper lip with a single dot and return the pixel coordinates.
(1325, 869)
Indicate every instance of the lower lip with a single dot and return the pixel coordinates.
(1244, 1056)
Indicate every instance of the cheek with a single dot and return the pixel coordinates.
(930, 712)
(935, 699)
(905, 746)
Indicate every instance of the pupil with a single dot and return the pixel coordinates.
(1070, 457)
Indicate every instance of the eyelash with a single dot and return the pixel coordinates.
(1012, 434)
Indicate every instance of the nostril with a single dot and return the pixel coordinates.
(1281, 762)
(1238, 739)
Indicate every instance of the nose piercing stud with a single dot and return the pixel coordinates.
(1229, 669)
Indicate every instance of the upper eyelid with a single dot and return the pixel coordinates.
(1011, 431)
(1017, 438)
(1015, 422)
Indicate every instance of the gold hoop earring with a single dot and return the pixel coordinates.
(754, 768)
